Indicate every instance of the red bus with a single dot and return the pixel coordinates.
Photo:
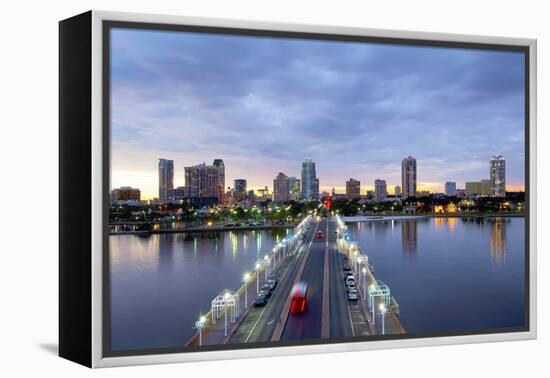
(299, 298)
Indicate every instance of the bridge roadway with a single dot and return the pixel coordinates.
(328, 313)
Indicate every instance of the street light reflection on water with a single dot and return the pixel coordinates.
(161, 282)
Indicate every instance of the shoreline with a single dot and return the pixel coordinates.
(205, 229)
(372, 218)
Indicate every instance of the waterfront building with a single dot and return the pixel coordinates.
(310, 182)
(263, 194)
(125, 193)
(478, 188)
(370, 194)
(333, 192)
(450, 188)
(281, 188)
(202, 181)
(461, 193)
(380, 190)
(497, 176)
(353, 188)
(422, 193)
(408, 177)
(166, 180)
(219, 164)
(397, 191)
(294, 185)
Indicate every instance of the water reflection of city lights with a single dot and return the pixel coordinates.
(498, 241)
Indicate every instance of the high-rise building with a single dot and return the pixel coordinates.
(380, 190)
(408, 177)
(353, 188)
(294, 185)
(310, 182)
(281, 188)
(450, 188)
(497, 176)
(166, 179)
(397, 191)
(219, 164)
(240, 186)
(202, 181)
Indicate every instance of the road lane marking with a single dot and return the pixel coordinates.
(286, 308)
(325, 318)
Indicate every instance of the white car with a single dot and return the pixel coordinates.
(350, 279)
(351, 286)
(353, 295)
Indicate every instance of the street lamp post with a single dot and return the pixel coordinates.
(258, 277)
(227, 295)
(383, 312)
(246, 278)
(364, 284)
(266, 259)
(200, 325)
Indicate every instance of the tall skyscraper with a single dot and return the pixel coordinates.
(408, 177)
(497, 176)
(166, 179)
(281, 188)
(397, 191)
(219, 164)
(202, 181)
(353, 188)
(310, 182)
(450, 188)
(294, 185)
(380, 190)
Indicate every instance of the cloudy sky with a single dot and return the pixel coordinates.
(263, 105)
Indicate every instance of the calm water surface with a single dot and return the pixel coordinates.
(450, 274)
(161, 283)
(447, 274)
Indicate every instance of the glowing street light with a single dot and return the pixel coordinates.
(383, 310)
(200, 325)
(258, 266)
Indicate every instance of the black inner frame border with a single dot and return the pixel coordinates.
(108, 25)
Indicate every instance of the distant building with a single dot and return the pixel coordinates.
(294, 186)
(478, 188)
(202, 181)
(497, 177)
(408, 177)
(461, 193)
(422, 193)
(239, 188)
(166, 179)
(370, 194)
(125, 193)
(353, 188)
(281, 188)
(219, 164)
(333, 192)
(450, 188)
(485, 186)
(380, 190)
(263, 194)
(310, 182)
(182, 193)
(397, 191)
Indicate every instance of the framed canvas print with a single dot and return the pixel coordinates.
(234, 189)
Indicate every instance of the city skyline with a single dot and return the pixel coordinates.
(355, 109)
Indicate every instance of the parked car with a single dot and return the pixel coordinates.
(349, 279)
(351, 286)
(347, 267)
(265, 290)
(261, 300)
(272, 283)
(353, 295)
